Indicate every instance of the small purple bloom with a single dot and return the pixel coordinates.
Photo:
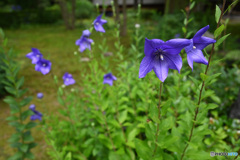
(32, 107)
(98, 22)
(36, 115)
(177, 35)
(109, 78)
(43, 66)
(84, 42)
(198, 43)
(40, 95)
(68, 79)
(35, 55)
(160, 56)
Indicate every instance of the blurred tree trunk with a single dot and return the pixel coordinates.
(135, 4)
(117, 17)
(68, 16)
(123, 31)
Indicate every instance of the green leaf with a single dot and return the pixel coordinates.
(20, 82)
(218, 31)
(30, 125)
(143, 150)
(14, 138)
(27, 137)
(5, 42)
(153, 110)
(16, 156)
(24, 148)
(29, 155)
(221, 40)
(184, 30)
(123, 116)
(203, 76)
(216, 99)
(217, 13)
(10, 100)
(12, 118)
(25, 101)
(212, 106)
(192, 5)
(26, 114)
(11, 90)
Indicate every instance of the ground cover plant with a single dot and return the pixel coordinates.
(122, 107)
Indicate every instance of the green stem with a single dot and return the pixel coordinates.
(203, 84)
(159, 116)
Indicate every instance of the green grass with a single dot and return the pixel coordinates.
(57, 45)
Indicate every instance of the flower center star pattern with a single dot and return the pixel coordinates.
(160, 56)
(109, 78)
(98, 22)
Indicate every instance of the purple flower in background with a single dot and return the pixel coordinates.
(40, 95)
(160, 56)
(35, 55)
(37, 114)
(198, 43)
(84, 42)
(43, 66)
(177, 35)
(68, 79)
(98, 22)
(109, 78)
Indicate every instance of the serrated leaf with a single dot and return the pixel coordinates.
(20, 82)
(203, 76)
(218, 31)
(217, 13)
(123, 116)
(221, 40)
(143, 150)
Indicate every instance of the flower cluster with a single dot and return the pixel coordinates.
(41, 65)
(36, 115)
(160, 55)
(68, 79)
(85, 42)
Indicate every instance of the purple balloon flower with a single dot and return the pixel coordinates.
(43, 66)
(198, 43)
(35, 55)
(68, 79)
(98, 22)
(37, 114)
(160, 56)
(109, 78)
(40, 95)
(84, 42)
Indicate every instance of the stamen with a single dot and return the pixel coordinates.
(97, 23)
(44, 65)
(161, 56)
(194, 47)
(67, 79)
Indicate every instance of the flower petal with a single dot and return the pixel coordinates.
(174, 46)
(108, 81)
(203, 42)
(160, 67)
(99, 28)
(146, 66)
(174, 61)
(201, 32)
(196, 55)
(151, 45)
(103, 21)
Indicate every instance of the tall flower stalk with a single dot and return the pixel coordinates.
(202, 87)
(159, 116)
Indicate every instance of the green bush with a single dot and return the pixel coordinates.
(2, 76)
(84, 9)
(39, 16)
